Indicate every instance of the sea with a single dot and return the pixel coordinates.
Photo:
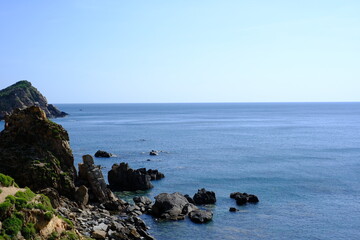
(302, 160)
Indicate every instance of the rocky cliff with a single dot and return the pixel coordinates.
(36, 152)
(21, 95)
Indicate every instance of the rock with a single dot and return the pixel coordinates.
(22, 95)
(189, 199)
(32, 144)
(252, 198)
(81, 195)
(232, 209)
(102, 154)
(91, 176)
(99, 234)
(123, 178)
(200, 216)
(154, 153)
(170, 206)
(243, 198)
(142, 200)
(204, 197)
(101, 226)
(155, 174)
(53, 195)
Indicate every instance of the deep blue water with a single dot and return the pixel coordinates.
(301, 159)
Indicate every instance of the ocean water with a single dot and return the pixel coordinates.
(301, 159)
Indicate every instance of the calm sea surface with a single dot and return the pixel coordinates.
(301, 159)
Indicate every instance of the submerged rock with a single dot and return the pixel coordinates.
(36, 152)
(204, 197)
(102, 154)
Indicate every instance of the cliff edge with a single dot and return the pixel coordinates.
(21, 95)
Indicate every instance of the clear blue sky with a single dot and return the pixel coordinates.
(113, 51)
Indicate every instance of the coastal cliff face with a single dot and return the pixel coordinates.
(36, 152)
(21, 95)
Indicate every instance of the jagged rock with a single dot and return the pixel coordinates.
(32, 144)
(204, 197)
(171, 206)
(102, 154)
(155, 174)
(200, 216)
(243, 198)
(82, 195)
(123, 178)
(22, 95)
(91, 175)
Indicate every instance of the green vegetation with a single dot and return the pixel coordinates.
(12, 226)
(28, 231)
(14, 214)
(6, 181)
(28, 195)
(19, 85)
(69, 235)
(5, 208)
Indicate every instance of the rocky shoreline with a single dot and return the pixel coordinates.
(36, 153)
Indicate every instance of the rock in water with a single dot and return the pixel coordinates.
(36, 152)
(171, 206)
(200, 216)
(102, 154)
(123, 178)
(204, 197)
(21, 95)
(243, 198)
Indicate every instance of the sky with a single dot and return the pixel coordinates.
(142, 51)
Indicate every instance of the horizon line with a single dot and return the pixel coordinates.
(208, 102)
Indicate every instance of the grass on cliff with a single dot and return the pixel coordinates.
(15, 218)
(7, 181)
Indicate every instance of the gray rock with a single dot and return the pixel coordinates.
(170, 206)
(92, 176)
(200, 216)
(82, 195)
(99, 234)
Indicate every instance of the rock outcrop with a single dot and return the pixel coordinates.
(21, 95)
(123, 178)
(243, 198)
(204, 197)
(36, 152)
(91, 176)
(171, 206)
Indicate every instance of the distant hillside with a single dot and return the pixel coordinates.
(21, 95)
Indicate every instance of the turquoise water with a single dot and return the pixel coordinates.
(301, 159)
